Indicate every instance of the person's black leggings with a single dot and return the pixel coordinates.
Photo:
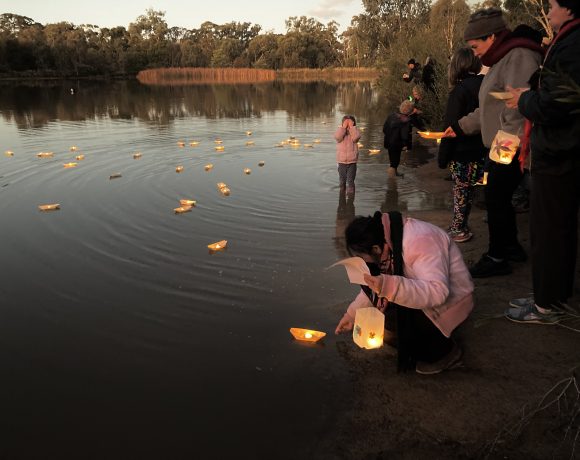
(394, 156)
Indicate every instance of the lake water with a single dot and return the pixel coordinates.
(121, 336)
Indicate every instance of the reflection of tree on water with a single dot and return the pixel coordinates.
(391, 202)
(344, 215)
(33, 106)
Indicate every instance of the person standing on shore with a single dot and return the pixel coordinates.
(397, 130)
(463, 155)
(512, 59)
(347, 136)
(414, 74)
(419, 280)
(555, 149)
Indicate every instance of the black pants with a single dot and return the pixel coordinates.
(554, 235)
(502, 180)
(394, 156)
(430, 345)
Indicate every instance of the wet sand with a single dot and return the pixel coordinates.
(465, 413)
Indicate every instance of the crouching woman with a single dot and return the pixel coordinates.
(419, 280)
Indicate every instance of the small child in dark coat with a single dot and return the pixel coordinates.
(397, 130)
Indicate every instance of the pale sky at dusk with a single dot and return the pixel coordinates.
(189, 14)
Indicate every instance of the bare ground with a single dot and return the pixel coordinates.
(484, 409)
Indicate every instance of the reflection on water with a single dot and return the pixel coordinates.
(121, 336)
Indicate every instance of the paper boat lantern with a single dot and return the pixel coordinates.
(221, 185)
(248, 133)
(136, 156)
(374, 151)
(182, 209)
(316, 141)
(247, 171)
(281, 144)
(194, 143)
(79, 157)
(218, 246)
(208, 167)
(73, 148)
(308, 146)
(9, 153)
(181, 143)
(219, 148)
(185, 202)
(261, 163)
(306, 335)
(501, 95)
(218, 141)
(178, 169)
(369, 328)
(115, 176)
(44, 154)
(250, 143)
(70, 165)
(431, 134)
(49, 207)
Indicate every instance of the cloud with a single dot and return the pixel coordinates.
(327, 9)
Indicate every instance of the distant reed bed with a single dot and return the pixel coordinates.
(202, 75)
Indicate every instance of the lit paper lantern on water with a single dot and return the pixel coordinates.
(374, 151)
(45, 154)
(306, 335)
(194, 143)
(9, 153)
(248, 133)
(181, 143)
(182, 209)
(247, 171)
(73, 148)
(136, 156)
(79, 157)
(261, 163)
(186, 202)
(178, 169)
(431, 134)
(49, 207)
(208, 167)
(220, 245)
(219, 148)
(369, 328)
(70, 165)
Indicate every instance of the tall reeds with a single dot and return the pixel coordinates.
(331, 73)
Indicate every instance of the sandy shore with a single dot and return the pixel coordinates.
(484, 409)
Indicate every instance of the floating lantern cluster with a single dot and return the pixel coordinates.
(223, 188)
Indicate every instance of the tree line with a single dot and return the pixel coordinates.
(386, 31)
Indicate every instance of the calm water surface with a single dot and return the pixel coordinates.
(121, 336)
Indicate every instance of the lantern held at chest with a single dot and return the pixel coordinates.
(369, 328)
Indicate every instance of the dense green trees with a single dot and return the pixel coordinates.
(384, 35)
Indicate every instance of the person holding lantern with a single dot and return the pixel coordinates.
(554, 110)
(419, 280)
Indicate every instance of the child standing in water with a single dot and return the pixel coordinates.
(397, 131)
(347, 136)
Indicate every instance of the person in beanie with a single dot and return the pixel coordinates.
(555, 169)
(397, 131)
(512, 58)
(414, 74)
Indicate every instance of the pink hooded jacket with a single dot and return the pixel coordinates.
(347, 145)
(436, 279)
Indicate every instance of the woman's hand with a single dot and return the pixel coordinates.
(449, 132)
(345, 324)
(374, 282)
(516, 93)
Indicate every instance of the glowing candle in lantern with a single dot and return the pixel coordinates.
(69, 165)
(306, 335)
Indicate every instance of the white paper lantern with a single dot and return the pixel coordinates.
(369, 328)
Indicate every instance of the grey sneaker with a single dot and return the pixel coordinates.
(522, 302)
(530, 314)
(450, 361)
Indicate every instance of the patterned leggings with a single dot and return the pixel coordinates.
(346, 174)
(465, 176)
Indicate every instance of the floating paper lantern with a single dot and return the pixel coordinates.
(218, 141)
(261, 163)
(247, 171)
(218, 246)
(185, 202)
(374, 151)
(221, 185)
(44, 154)
(369, 328)
(316, 141)
(308, 146)
(431, 134)
(9, 153)
(136, 156)
(306, 335)
(181, 143)
(115, 176)
(73, 148)
(248, 133)
(250, 143)
(281, 144)
(69, 165)
(79, 157)
(220, 148)
(49, 207)
(179, 169)
(225, 191)
(182, 209)
(360, 145)
(208, 167)
(194, 143)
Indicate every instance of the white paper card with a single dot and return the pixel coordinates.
(356, 267)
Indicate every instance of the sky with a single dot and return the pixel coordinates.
(270, 14)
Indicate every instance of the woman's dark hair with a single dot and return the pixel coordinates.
(572, 5)
(365, 232)
(349, 117)
(463, 62)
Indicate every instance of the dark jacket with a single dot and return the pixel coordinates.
(414, 74)
(555, 139)
(463, 99)
(397, 131)
(428, 77)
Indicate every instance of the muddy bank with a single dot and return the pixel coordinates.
(466, 413)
